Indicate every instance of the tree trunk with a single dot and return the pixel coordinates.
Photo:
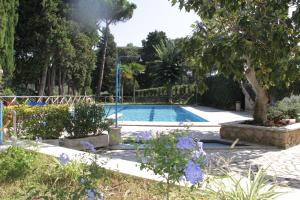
(73, 89)
(43, 80)
(103, 60)
(59, 81)
(69, 90)
(63, 80)
(47, 90)
(262, 99)
(52, 80)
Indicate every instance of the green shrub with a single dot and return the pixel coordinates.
(288, 108)
(8, 92)
(15, 163)
(87, 119)
(292, 101)
(47, 122)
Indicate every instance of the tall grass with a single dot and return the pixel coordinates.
(253, 187)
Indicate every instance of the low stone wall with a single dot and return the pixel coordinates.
(282, 137)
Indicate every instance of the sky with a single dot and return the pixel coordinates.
(152, 15)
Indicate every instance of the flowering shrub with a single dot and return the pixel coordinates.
(173, 156)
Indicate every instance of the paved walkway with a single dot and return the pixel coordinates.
(282, 164)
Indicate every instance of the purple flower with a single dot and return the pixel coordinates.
(144, 135)
(193, 172)
(63, 159)
(91, 195)
(82, 181)
(185, 143)
(88, 145)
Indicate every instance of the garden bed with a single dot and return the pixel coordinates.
(282, 137)
(45, 178)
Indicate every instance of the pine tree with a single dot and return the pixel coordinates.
(8, 20)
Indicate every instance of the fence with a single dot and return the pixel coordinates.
(132, 99)
(162, 91)
(14, 100)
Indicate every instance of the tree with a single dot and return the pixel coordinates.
(169, 67)
(129, 51)
(149, 55)
(129, 72)
(256, 40)
(52, 48)
(82, 65)
(36, 34)
(110, 63)
(8, 21)
(116, 11)
(148, 51)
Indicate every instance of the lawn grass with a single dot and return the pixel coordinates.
(46, 175)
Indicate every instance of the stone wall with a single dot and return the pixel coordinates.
(282, 137)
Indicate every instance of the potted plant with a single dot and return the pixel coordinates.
(87, 123)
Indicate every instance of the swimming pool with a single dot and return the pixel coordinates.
(153, 113)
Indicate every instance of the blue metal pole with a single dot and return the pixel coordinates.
(120, 82)
(117, 93)
(1, 122)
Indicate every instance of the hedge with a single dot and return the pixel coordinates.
(162, 91)
(49, 122)
(221, 93)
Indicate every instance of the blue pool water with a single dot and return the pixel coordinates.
(153, 113)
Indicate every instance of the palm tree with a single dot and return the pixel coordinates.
(115, 11)
(169, 67)
(129, 72)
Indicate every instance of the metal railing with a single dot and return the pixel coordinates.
(68, 99)
(15, 100)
